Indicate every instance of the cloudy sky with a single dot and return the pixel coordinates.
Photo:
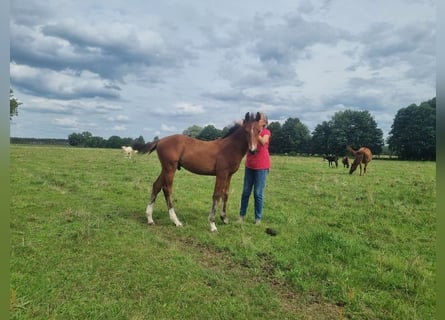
(154, 68)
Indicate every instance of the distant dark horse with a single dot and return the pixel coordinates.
(361, 156)
(220, 158)
(345, 162)
(331, 160)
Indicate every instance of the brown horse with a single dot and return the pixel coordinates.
(345, 162)
(220, 158)
(361, 156)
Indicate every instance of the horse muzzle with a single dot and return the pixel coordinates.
(253, 151)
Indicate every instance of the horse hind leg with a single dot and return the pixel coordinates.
(171, 210)
(167, 189)
(157, 186)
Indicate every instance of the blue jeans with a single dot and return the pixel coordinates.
(255, 179)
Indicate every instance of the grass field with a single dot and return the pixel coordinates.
(348, 247)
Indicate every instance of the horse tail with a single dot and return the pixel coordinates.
(145, 148)
(350, 150)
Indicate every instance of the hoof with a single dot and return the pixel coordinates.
(213, 228)
(151, 223)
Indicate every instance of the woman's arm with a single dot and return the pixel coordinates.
(264, 139)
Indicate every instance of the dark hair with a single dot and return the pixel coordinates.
(232, 129)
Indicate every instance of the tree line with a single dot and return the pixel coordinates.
(87, 140)
(355, 128)
(412, 135)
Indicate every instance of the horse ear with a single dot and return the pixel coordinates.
(247, 117)
(258, 116)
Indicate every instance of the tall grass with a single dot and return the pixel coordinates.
(347, 246)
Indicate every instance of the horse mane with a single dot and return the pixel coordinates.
(247, 118)
(232, 129)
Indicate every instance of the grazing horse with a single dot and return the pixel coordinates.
(332, 160)
(361, 156)
(220, 158)
(345, 162)
(127, 151)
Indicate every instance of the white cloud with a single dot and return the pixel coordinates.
(120, 128)
(118, 118)
(188, 108)
(66, 84)
(144, 67)
(66, 122)
(167, 128)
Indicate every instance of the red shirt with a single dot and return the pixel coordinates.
(261, 159)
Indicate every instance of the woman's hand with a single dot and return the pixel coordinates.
(264, 139)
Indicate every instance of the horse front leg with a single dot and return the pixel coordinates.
(212, 214)
(217, 192)
(220, 192)
(225, 197)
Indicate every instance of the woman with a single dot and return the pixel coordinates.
(255, 173)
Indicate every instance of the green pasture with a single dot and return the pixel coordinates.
(347, 247)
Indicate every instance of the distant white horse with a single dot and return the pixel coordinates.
(127, 151)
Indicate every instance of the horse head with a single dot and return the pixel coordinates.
(252, 129)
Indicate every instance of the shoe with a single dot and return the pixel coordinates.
(240, 219)
(257, 221)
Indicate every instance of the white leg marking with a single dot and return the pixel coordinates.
(213, 227)
(149, 213)
(174, 218)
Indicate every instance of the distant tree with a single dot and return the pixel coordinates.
(86, 139)
(192, 131)
(80, 139)
(86, 136)
(295, 136)
(209, 133)
(349, 127)
(413, 132)
(277, 140)
(126, 141)
(96, 142)
(321, 139)
(357, 129)
(114, 142)
(140, 140)
(75, 139)
(13, 104)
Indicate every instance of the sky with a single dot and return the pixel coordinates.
(155, 68)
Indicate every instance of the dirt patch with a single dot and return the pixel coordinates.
(292, 301)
